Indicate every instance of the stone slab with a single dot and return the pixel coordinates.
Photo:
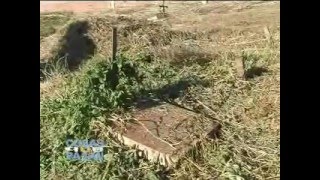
(165, 132)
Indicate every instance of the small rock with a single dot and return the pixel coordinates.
(153, 18)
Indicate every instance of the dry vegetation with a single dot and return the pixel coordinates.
(196, 42)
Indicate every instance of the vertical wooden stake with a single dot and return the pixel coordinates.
(112, 4)
(114, 43)
(240, 67)
(267, 34)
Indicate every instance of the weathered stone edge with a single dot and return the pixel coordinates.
(150, 153)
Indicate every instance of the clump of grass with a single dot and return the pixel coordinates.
(50, 22)
(53, 68)
(248, 111)
(94, 93)
(245, 150)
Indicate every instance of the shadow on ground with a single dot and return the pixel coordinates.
(166, 94)
(75, 47)
(254, 72)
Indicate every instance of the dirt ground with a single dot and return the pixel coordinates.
(224, 25)
(86, 6)
(191, 15)
(96, 6)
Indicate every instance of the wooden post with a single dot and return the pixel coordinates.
(114, 43)
(112, 4)
(267, 33)
(240, 67)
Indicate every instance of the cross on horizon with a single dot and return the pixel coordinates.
(163, 7)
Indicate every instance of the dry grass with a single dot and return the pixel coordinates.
(51, 22)
(200, 41)
(51, 30)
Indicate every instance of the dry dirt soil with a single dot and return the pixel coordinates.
(86, 6)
